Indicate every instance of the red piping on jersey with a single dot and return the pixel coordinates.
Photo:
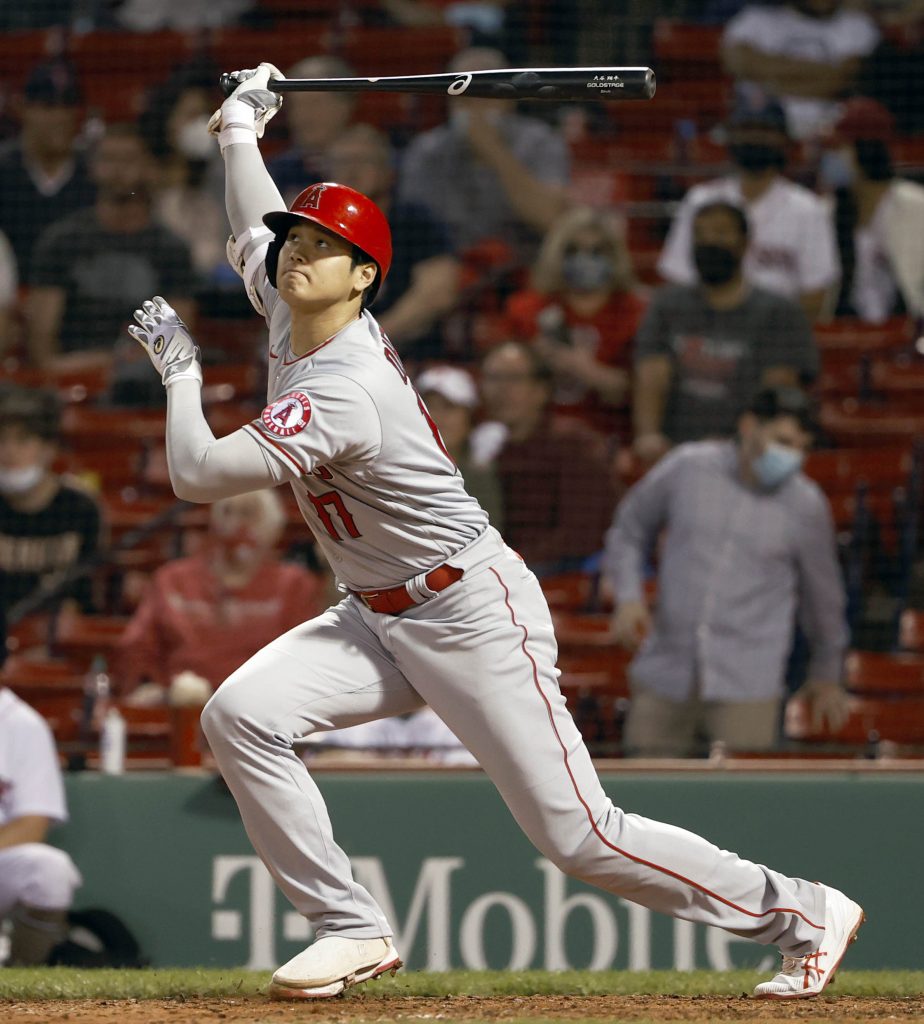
(278, 447)
(590, 818)
(291, 362)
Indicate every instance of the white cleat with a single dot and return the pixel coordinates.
(803, 976)
(331, 965)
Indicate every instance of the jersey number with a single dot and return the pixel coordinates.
(332, 500)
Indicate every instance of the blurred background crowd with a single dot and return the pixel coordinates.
(674, 347)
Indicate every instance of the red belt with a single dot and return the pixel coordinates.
(396, 600)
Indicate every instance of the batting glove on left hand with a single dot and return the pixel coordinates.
(251, 105)
(167, 341)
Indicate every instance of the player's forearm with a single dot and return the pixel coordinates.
(30, 828)
(204, 468)
(249, 190)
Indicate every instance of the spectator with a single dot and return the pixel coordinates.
(556, 485)
(315, 120)
(489, 172)
(95, 266)
(43, 176)
(208, 613)
(8, 289)
(894, 73)
(423, 282)
(37, 881)
(581, 313)
(46, 526)
(175, 124)
(879, 218)
(748, 542)
(702, 346)
(452, 398)
(792, 250)
(806, 52)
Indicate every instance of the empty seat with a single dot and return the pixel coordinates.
(872, 672)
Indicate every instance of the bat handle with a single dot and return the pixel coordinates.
(228, 83)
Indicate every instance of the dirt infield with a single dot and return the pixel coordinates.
(360, 1008)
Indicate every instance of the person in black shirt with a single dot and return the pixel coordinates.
(46, 527)
(42, 175)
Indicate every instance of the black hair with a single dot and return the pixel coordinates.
(38, 412)
(772, 403)
(874, 159)
(720, 205)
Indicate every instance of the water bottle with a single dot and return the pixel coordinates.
(112, 743)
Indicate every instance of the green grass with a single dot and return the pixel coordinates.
(69, 983)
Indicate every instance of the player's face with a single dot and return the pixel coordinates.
(316, 271)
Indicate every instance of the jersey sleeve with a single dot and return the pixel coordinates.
(332, 420)
(37, 786)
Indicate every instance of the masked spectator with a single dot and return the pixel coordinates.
(701, 346)
(581, 313)
(792, 249)
(748, 547)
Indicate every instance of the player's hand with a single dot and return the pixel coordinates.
(167, 341)
(631, 623)
(252, 92)
(828, 703)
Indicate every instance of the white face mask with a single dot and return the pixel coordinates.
(193, 139)
(19, 481)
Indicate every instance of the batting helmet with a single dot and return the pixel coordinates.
(340, 209)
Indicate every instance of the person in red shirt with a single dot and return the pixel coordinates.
(582, 312)
(209, 613)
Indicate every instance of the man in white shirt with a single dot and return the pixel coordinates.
(37, 881)
(807, 52)
(792, 248)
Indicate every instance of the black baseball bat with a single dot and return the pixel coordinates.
(509, 84)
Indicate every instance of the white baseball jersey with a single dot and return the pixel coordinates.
(792, 248)
(375, 483)
(30, 778)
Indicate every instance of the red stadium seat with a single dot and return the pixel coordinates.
(898, 720)
(853, 335)
(851, 424)
(838, 471)
(79, 638)
(871, 672)
(687, 50)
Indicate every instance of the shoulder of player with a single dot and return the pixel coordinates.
(19, 717)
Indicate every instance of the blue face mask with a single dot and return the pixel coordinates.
(776, 465)
(835, 170)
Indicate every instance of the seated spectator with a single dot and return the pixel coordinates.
(701, 346)
(556, 484)
(315, 121)
(748, 543)
(9, 283)
(207, 614)
(175, 123)
(792, 249)
(452, 398)
(37, 881)
(95, 266)
(806, 52)
(879, 218)
(489, 172)
(581, 313)
(46, 526)
(423, 282)
(43, 176)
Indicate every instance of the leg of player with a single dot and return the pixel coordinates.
(326, 674)
(499, 693)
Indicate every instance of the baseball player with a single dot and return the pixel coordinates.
(37, 881)
(437, 610)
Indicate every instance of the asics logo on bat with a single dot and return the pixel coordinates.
(460, 84)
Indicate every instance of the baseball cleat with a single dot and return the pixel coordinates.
(333, 964)
(803, 976)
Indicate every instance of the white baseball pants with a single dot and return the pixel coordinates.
(37, 875)
(482, 654)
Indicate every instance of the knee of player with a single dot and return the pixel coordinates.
(48, 877)
(231, 710)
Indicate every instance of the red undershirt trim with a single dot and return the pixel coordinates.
(263, 437)
(583, 802)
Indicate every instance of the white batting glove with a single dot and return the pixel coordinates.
(244, 114)
(167, 341)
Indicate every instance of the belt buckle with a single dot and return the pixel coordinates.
(366, 596)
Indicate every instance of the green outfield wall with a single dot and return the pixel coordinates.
(463, 887)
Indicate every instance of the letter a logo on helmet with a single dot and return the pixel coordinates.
(346, 213)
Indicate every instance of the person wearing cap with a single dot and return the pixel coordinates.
(792, 249)
(805, 52)
(452, 398)
(747, 548)
(879, 217)
(43, 175)
(437, 609)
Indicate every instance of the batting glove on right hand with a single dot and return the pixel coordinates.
(167, 341)
(251, 105)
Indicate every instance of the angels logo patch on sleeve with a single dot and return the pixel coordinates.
(287, 415)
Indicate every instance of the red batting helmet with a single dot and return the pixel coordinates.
(340, 209)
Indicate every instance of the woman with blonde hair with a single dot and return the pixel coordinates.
(582, 311)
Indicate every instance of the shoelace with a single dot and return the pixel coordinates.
(807, 963)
